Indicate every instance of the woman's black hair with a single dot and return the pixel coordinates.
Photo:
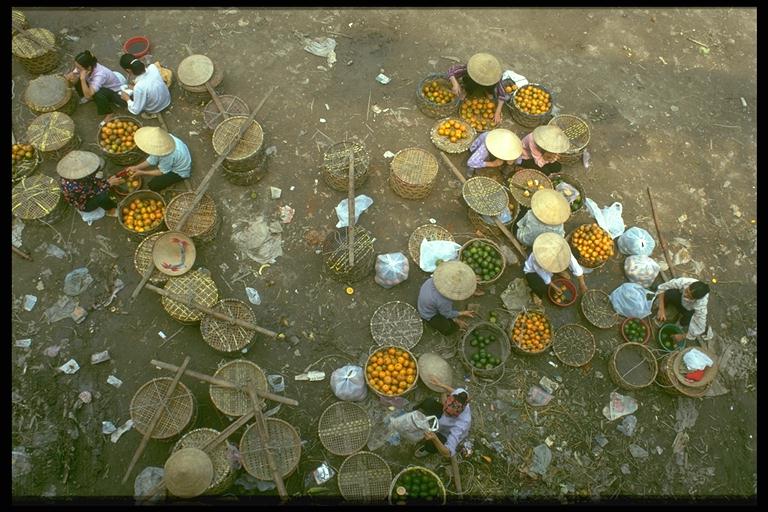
(699, 289)
(86, 59)
(128, 61)
(474, 89)
(462, 397)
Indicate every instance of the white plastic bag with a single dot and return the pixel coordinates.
(362, 202)
(632, 300)
(348, 383)
(391, 269)
(636, 241)
(431, 251)
(609, 218)
(574, 192)
(641, 270)
(697, 360)
(93, 215)
(412, 425)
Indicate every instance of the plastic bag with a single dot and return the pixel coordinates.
(412, 425)
(149, 477)
(504, 217)
(697, 360)
(434, 250)
(620, 405)
(92, 216)
(609, 218)
(348, 383)
(636, 241)
(574, 192)
(641, 270)
(362, 202)
(632, 300)
(391, 269)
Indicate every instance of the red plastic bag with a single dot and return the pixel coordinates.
(695, 376)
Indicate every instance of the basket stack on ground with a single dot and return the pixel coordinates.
(336, 254)
(39, 198)
(226, 336)
(53, 134)
(49, 93)
(202, 224)
(578, 133)
(336, 164)
(36, 50)
(245, 164)
(413, 172)
(178, 412)
(193, 73)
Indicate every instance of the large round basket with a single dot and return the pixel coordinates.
(53, 134)
(495, 248)
(667, 379)
(429, 232)
(284, 443)
(384, 350)
(194, 285)
(574, 345)
(575, 251)
(498, 348)
(364, 477)
(484, 195)
(597, 309)
(199, 94)
(578, 204)
(709, 373)
(441, 488)
(202, 222)
(36, 50)
(443, 143)
(143, 195)
(632, 366)
(521, 178)
(344, 428)
(129, 157)
(26, 167)
(336, 164)
(396, 323)
(235, 402)
(243, 178)
(412, 173)
(336, 255)
(38, 197)
(49, 93)
(177, 413)
(142, 259)
(245, 155)
(515, 339)
(224, 336)
(524, 118)
(578, 133)
(233, 106)
(223, 474)
(18, 19)
(485, 224)
(430, 108)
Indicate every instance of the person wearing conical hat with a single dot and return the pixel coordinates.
(542, 148)
(549, 211)
(188, 473)
(169, 160)
(480, 78)
(150, 94)
(494, 149)
(452, 280)
(80, 185)
(550, 255)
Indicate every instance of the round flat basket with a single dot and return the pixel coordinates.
(389, 355)
(443, 142)
(577, 204)
(35, 197)
(234, 402)
(224, 336)
(429, 232)
(597, 309)
(680, 369)
(518, 330)
(142, 259)
(396, 323)
(430, 108)
(524, 118)
(344, 428)
(465, 255)
(117, 128)
(336, 254)
(336, 164)
(141, 195)
(578, 133)
(396, 482)
(669, 382)
(632, 366)
(200, 221)
(48, 93)
(51, 132)
(284, 443)
(37, 57)
(364, 477)
(223, 474)
(489, 229)
(474, 343)
(520, 178)
(485, 196)
(177, 413)
(18, 19)
(249, 145)
(580, 259)
(233, 106)
(412, 173)
(26, 166)
(574, 345)
(200, 92)
(194, 285)
(195, 70)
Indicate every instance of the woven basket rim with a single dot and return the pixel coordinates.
(133, 151)
(496, 248)
(34, 194)
(26, 49)
(185, 419)
(190, 283)
(26, 167)
(221, 466)
(709, 373)
(67, 93)
(51, 131)
(407, 469)
(139, 194)
(415, 318)
(434, 77)
(574, 182)
(644, 321)
(351, 412)
(580, 328)
(604, 296)
(414, 241)
(484, 195)
(250, 144)
(200, 221)
(287, 430)
(407, 390)
(549, 325)
(210, 327)
(211, 112)
(144, 251)
(511, 101)
(403, 170)
(344, 470)
(569, 237)
(222, 398)
(506, 349)
(573, 149)
(647, 356)
(444, 144)
(522, 175)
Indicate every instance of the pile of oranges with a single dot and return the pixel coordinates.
(143, 215)
(509, 89)
(117, 136)
(438, 93)
(391, 371)
(532, 100)
(478, 112)
(592, 244)
(531, 332)
(21, 152)
(453, 130)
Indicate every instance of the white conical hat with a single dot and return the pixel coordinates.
(195, 70)
(550, 207)
(484, 69)
(504, 144)
(154, 141)
(551, 138)
(551, 252)
(78, 164)
(188, 473)
(455, 280)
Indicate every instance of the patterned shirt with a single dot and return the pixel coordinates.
(698, 325)
(102, 76)
(529, 227)
(431, 302)
(150, 93)
(480, 152)
(459, 70)
(78, 192)
(531, 265)
(455, 428)
(531, 150)
(179, 161)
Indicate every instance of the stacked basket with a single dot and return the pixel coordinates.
(336, 164)
(53, 134)
(413, 172)
(244, 164)
(49, 93)
(38, 198)
(202, 224)
(178, 412)
(36, 51)
(223, 335)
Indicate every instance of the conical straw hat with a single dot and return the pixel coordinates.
(484, 69)
(551, 252)
(78, 164)
(504, 144)
(455, 280)
(174, 253)
(188, 473)
(551, 138)
(154, 141)
(432, 365)
(550, 207)
(195, 70)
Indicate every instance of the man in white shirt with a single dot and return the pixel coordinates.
(150, 94)
(690, 297)
(550, 255)
(454, 420)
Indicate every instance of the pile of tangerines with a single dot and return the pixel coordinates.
(592, 244)
(453, 130)
(478, 112)
(143, 215)
(391, 371)
(117, 136)
(531, 332)
(533, 100)
(438, 93)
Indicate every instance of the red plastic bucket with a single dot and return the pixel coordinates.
(137, 46)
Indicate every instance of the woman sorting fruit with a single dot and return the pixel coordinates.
(167, 154)
(150, 93)
(494, 149)
(549, 211)
(81, 187)
(453, 280)
(95, 82)
(454, 419)
(690, 297)
(480, 78)
(542, 148)
(550, 255)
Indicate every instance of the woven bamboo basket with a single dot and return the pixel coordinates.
(491, 230)
(223, 474)
(130, 157)
(581, 261)
(597, 309)
(577, 205)
(39, 198)
(224, 336)
(668, 381)
(530, 352)
(364, 477)
(195, 285)
(443, 143)
(393, 486)
(430, 108)
(199, 94)
(143, 195)
(177, 413)
(574, 345)
(48, 93)
(234, 402)
(632, 366)
(485, 195)
(233, 106)
(500, 348)
(249, 177)
(493, 246)
(142, 259)
(336, 255)
(20, 20)
(396, 322)
(246, 153)
(413, 173)
(26, 167)
(709, 373)
(36, 58)
(530, 120)
(411, 386)
(53, 134)
(336, 164)
(578, 132)
(284, 443)
(521, 178)
(344, 428)
(201, 222)
(427, 231)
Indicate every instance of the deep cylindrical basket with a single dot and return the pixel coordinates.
(130, 157)
(143, 195)
(429, 232)
(440, 485)
(344, 428)
(336, 255)
(500, 348)
(364, 478)
(250, 176)
(514, 343)
(443, 143)
(415, 374)
(530, 120)
(632, 366)
(578, 133)
(641, 320)
(26, 167)
(579, 203)
(245, 155)
(488, 230)
(199, 94)
(575, 251)
(224, 336)
(19, 20)
(521, 178)
(223, 473)
(597, 309)
(430, 108)
(233, 106)
(142, 259)
(195, 285)
(668, 381)
(710, 372)
(571, 289)
(177, 413)
(38, 197)
(236, 402)
(49, 93)
(200, 223)
(36, 58)
(413, 172)
(396, 322)
(336, 164)
(284, 443)
(53, 134)
(496, 248)
(574, 345)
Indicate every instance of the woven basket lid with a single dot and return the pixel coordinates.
(364, 477)
(202, 218)
(196, 285)
(284, 443)
(484, 69)
(35, 196)
(51, 131)
(223, 335)
(504, 144)
(396, 323)
(550, 207)
(195, 70)
(47, 91)
(176, 413)
(155, 141)
(414, 166)
(455, 280)
(142, 259)
(344, 428)
(552, 252)
(432, 365)
(485, 195)
(188, 472)
(227, 131)
(233, 106)
(25, 47)
(236, 402)
(575, 128)
(174, 253)
(78, 164)
(551, 138)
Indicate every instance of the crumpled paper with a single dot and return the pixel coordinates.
(322, 47)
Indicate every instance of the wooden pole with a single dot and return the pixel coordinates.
(661, 239)
(156, 417)
(456, 475)
(261, 427)
(21, 253)
(216, 100)
(33, 38)
(351, 210)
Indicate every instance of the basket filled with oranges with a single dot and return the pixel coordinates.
(391, 371)
(452, 135)
(115, 139)
(478, 112)
(591, 245)
(130, 184)
(531, 333)
(531, 105)
(435, 95)
(24, 160)
(141, 212)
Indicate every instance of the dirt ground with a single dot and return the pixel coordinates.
(671, 98)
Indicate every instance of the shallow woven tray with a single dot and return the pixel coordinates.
(632, 366)
(223, 335)
(26, 48)
(142, 259)
(234, 402)
(35, 196)
(500, 348)
(413, 172)
(223, 474)
(396, 323)
(485, 196)
(709, 373)
(344, 428)
(233, 106)
(249, 144)
(520, 178)
(200, 221)
(444, 143)
(567, 178)
(336, 164)
(195, 285)
(336, 254)
(430, 232)
(47, 93)
(177, 412)
(576, 129)
(493, 246)
(574, 345)
(284, 442)
(26, 167)
(422, 468)
(597, 309)
(364, 477)
(410, 388)
(51, 131)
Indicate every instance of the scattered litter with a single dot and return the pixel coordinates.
(78, 314)
(637, 452)
(56, 251)
(625, 469)
(107, 427)
(619, 406)
(85, 397)
(275, 192)
(628, 425)
(682, 218)
(311, 376)
(286, 214)
(601, 440)
(162, 334)
(40, 286)
(432, 221)
(146, 481)
(388, 154)
(265, 485)
(323, 473)
(253, 296)
(598, 374)
(586, 159)
(25, 343)
(659, 450)
(542, 456)
(29, 302)
(674, 108)
(63, 308)
(100, 357)
(259, 241)
(69, 367)
(383, 79)
(537, 396)
(271, 150)
(549, 441)
(276, 383)
(52, 351)
(117, 434)
(114, 381)
(327, 107)
(293, 188)
(322, 47)
(362, 203)
(322, 120)
(548, 385)
(736, 211)
(18, 227)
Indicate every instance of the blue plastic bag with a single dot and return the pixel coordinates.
(632, 300)
(636, 241)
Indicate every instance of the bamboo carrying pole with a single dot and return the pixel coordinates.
(21, 253)
(351, 211)
(33, 38)
(261, 427)
(661, 239)
(456, 475)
